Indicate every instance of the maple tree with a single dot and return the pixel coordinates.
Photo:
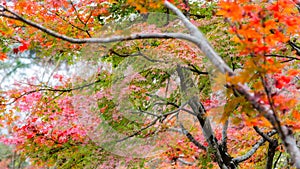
(157, 82)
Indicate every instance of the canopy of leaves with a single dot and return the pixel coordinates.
(154, 102)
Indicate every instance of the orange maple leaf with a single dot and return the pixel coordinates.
(2, 56)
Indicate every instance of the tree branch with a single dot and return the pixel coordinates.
(194, 69)
(277, 159)
(192, 139)
(185, 162)
(15, 16)
(254, 149)
(295, 47)
(77, 14)
(52, 90)
(281, 56)
(159, 118)
(140, 130)
(224, 135)
(265, 136)
(73, 25)
(139, 53)
(285, 133)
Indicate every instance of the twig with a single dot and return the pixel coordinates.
(139, 53)
(270, 100)
(194, 69)
(281, 56)
(144, 112)
(139, 131)
(277, 159)
(77, 27)
(52, 90)
(77, 14)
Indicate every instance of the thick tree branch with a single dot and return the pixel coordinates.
(273, 144)
(285, 133)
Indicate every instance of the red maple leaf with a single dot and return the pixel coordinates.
(24, 46)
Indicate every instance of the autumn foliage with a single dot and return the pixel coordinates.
(152, 98)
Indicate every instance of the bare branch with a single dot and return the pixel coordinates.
(267, 90)
(159, 118)
(144, 112)
(194, 69)
(8, 16)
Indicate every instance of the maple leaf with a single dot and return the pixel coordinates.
(3, 56)
(232, 10)
(23, 47)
